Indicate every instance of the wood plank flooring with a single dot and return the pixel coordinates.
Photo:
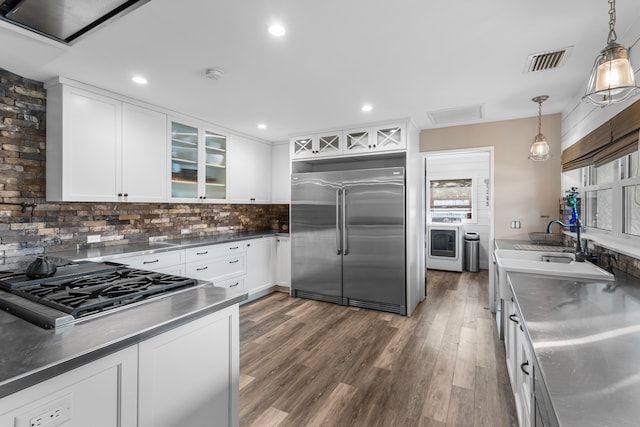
(309, 363)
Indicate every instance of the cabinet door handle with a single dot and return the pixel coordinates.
(202, 253)
(200, 269)
(126, 194)
(512, 318)
(235, 247)
(522, 365)
(151, 262)
(119, 194)
(234, 285)
(234, 261)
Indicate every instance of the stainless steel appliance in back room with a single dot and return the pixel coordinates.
(348, 237)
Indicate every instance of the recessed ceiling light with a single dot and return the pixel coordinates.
(262, 126)
(277, 30)
(139, 79)
(367, 107)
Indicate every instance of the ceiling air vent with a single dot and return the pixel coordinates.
(547, 60)
(466, 114)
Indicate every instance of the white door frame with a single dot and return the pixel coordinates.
(490, 150)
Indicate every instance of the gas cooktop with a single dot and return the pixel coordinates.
(82, 291)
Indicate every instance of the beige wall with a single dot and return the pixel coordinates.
(525, 190)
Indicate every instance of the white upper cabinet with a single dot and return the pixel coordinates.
(280, 174)
(198, 163)
(249, 171)
(144, 136)
(328, 144)
(103, 149)
(375, 139)
(370, 139)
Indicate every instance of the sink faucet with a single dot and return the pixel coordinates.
(572, 200)
(581, 255)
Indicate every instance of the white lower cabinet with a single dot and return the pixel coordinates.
(519, 361)
(103, 393)
(217, 269)
(188, 376)
(283, 261)
(524, 381)
(259, 273)
(162, 262)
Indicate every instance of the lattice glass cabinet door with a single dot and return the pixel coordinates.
(389, 138)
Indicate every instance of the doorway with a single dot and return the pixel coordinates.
(468, 206)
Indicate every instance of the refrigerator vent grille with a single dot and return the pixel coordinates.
(378, 306)
(318, 297)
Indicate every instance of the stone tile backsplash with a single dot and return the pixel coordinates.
(60, 226)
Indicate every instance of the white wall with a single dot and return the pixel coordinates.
(475, 165)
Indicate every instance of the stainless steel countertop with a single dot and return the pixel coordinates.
(30, 354)
(586, 339)
(121, 251)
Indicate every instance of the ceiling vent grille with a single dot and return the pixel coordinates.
(547, 60)
(471, 113)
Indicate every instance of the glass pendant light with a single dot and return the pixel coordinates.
(539, 149)
(612, 79)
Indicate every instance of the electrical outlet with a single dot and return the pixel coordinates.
(93, 238)
(52, 415)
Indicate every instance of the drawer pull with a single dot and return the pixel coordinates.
(235, 247)
(151, 262)
(234, 261)
(202, 253)
(234, 285)
(511, 317)
(200, 269)
(522, 367)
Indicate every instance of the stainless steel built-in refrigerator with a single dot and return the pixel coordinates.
(348, 238)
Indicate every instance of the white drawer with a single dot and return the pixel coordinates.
(213, 251)
(155, 261)
(217, 269)
(237, 283)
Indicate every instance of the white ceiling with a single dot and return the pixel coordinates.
(405, 57)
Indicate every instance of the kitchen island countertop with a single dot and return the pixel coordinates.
(585, 335)
(30, 354)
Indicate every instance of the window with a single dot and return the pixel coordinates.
(451, 200)
(611, 197)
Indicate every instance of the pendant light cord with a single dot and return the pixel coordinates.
(539, 117)
(612, 22)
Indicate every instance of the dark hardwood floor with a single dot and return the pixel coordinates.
(309, 363)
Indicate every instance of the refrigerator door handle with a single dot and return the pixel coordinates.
(345, 234)
(338, 239)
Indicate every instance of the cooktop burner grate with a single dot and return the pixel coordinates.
(88, 295)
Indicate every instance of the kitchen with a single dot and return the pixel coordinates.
(524, 191)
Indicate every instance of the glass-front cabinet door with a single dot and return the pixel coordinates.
(215, 151)
(184, 161)
(198, 163)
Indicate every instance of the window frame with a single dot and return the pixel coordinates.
(456, 177)
(620, 181)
